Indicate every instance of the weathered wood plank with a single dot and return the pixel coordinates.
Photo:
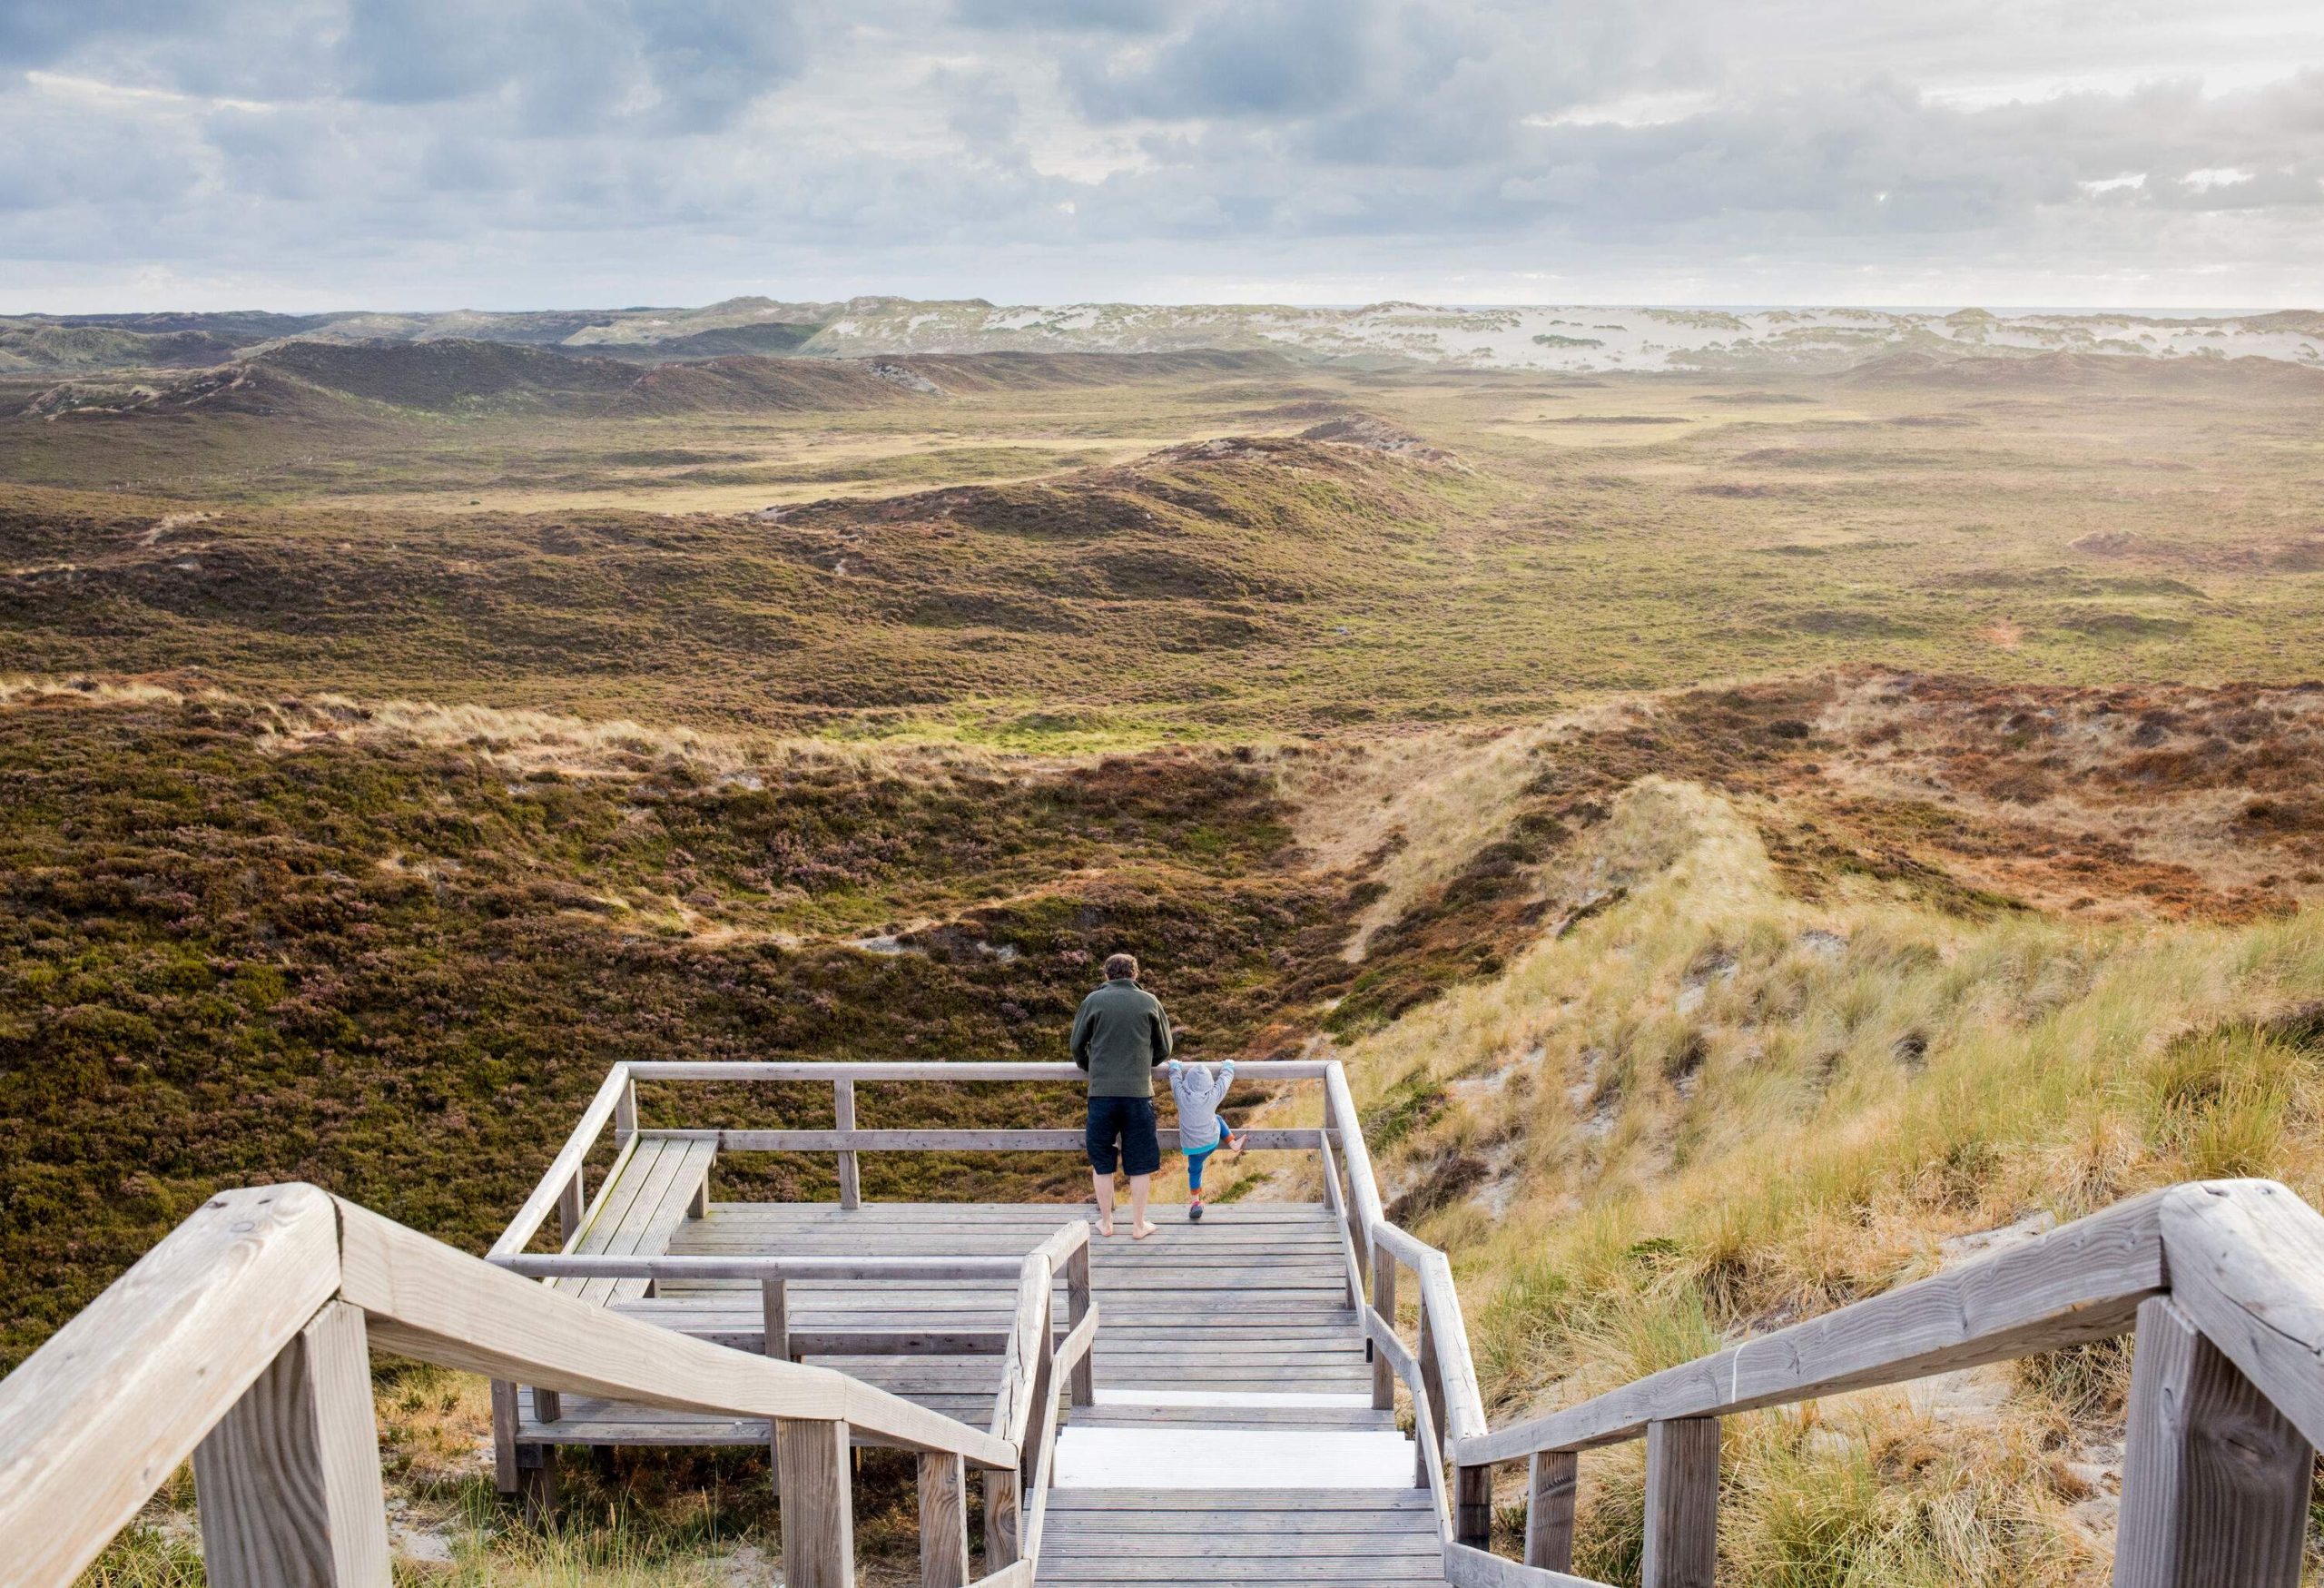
(1551, 1488)
(2079, 1283)
(1465, 1567)
(851, 1186)
(774, 1321)
(1082, 1380)
(1681, 1503)
(1234, 1500)
(943, 1521)
(431, 1302)
(1002, 1516)
(2247, 1268)
(2215, 1481)
(812, 1473)
(289, 1480)
(625, 1108)
(665, 1266)
(1472, 1506)
(94, 1422)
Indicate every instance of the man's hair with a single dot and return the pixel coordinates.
(1121, 967)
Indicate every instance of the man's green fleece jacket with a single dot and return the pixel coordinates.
(1119, 1037)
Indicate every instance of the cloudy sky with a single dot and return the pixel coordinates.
(513, 154)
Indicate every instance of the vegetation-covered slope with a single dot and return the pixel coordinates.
(1906, 780)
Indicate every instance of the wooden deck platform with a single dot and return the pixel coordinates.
(1227, 1425)
(1243, 1320)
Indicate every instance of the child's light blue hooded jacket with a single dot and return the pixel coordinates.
(1199, 1093)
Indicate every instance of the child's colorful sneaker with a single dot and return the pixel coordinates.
(1194, 1211)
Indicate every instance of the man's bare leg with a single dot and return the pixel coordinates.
(1139, 1185)
(1104, 1184)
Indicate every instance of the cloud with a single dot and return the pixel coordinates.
(556, 143)
(1064, 16)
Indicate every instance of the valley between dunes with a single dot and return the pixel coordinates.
(1753, 842)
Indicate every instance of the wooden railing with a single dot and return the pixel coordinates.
(242, 1341)
(563, 1188)
(2221, 1281)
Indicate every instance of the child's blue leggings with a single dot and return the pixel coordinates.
(1196, 1160)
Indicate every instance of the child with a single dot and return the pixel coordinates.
(1201, 1130)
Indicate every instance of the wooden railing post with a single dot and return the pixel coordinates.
(1472, 1506)
(811, 1475)
(288, 1480)
(1002, 1518)
(504, 1436)
(625, 1112)
(2215, 1482)
(1082, 1383)
(1383, 1302)
(1549, 1510)
(1432, 1391)
(775, 1308)
(851, 1188)
(943, 1521)
(1681, 1503)
(571, 1202)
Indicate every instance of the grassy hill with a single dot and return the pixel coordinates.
(1904, 778)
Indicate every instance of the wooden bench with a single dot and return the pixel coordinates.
(656, 1184)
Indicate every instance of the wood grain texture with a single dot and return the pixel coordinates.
(1384, 1302)
(943, 1521)
(1001, 1516)
(810, 1469)
(851, 1186)
(682, 1267)
(1466, 1567)
(1472, 1506)
(289, 1479)
(1082, 1382)
(94, 1421)
(625, 1108)
(2215, 1482)
(1339, 1106)
(504, 1436)
(1551, 1487)
(430, 1301)
(1681, 1503)
(2079, 1283)
(2247, 1268)
(571, 1205)
(774, 1320)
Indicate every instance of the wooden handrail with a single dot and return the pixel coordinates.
(2079, 1283)
(97, 1418)
(2224, 1284)
(567, 1162)
(926, 1069)
(1061, 1140)
(610, 1266)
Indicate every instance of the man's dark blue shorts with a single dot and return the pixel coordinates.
(1131, 1119)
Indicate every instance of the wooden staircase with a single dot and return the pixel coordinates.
(1245, 1401)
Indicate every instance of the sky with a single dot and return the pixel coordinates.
(426, 155)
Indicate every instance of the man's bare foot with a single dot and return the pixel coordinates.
(1235, 1145)
(1106, 1228)
(1140, 1231)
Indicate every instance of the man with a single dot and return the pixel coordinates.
(1121, 1037)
